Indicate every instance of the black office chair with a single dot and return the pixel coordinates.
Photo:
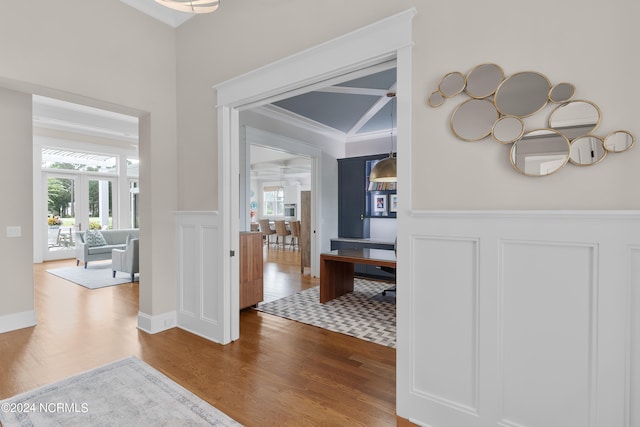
(389, 270)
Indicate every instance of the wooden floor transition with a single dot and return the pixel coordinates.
(279, 373)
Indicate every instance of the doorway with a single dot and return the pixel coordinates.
(385, 40)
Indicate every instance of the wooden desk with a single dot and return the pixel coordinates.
(336, 268)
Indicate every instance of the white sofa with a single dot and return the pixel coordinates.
(113, 239)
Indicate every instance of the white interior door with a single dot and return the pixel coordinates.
(60, 205)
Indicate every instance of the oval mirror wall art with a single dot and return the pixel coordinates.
(451, 84)
(562, 92)
(540, 152)
(587, 151)
(522, 94)
(507, 129)
(435, 99)
(483, 80)
(499, 106)
(473, 119)
(619, 141)
(575, 118)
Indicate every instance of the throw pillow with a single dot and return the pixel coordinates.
(129, 238)
(95, 238)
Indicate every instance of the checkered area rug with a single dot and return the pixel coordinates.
(363, 313)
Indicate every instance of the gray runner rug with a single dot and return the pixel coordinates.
(124, 393)
(363, 313)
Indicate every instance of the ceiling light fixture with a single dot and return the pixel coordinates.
(386, 170)
(191, 6)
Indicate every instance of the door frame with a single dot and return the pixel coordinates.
(81, 190)
(388, 39)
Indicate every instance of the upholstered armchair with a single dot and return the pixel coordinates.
(126, 260)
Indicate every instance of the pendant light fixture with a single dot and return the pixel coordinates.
(191, 6)
(386, 170)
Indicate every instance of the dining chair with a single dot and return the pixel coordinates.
(281, 231)
(294, 227)
(267, 232)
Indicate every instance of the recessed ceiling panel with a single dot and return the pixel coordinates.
(382, 120)
(382, 80)
(337, 110)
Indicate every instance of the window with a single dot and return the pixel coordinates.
(273, 201)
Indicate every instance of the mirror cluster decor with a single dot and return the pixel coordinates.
(498, 106)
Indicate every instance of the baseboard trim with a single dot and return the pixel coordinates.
(15, 321)
(154, 324)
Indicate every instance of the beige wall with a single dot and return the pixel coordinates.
(587, 43)
(16, 286)
(105, 54)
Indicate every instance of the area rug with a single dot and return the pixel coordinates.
(124, 393)
(96, 275)
(363, 313)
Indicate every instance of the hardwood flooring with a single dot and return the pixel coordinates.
(279, 373)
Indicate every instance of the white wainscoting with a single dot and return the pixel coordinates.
(519, 319)
(199, 304)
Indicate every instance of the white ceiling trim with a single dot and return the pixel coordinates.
(277, 113)
(381, 102)
(68, 126)
(353, 90)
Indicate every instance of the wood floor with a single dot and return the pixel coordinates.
(279, 373)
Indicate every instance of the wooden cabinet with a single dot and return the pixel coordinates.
(251, 279)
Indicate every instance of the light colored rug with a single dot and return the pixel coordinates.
(98, 274)
(124, 393)
(363, 313)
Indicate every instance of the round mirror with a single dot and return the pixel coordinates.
(575, 119)
(473, 119)
(562, 92)
(507, 129)
(618, 141)
(540, 152)
(435, 99)
(483, 80)
(522, 94)
(451, 84)
(587, 151)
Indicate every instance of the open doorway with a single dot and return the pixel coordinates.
(277, 186)
(386, 40)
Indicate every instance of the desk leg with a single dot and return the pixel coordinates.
(336, 278)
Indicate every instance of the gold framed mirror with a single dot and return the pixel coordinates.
(435, 99)
(473, 119)
(618, 141)
(522, 94)
(451, 84)
(587, 151)
(507, 129)
(562, 92)
(575, 118)
(540, 152)
(483, 80)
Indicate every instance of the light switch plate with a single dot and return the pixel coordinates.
(14, 231)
